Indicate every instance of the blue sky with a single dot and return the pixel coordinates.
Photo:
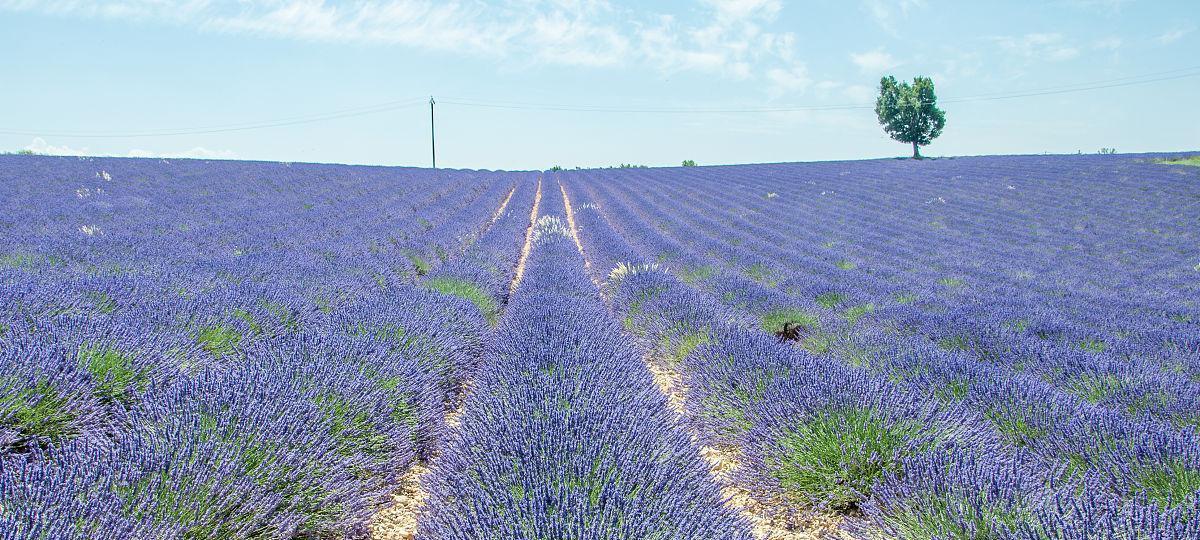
(138, 66)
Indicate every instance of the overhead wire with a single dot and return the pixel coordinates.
(1077, 87)
(1174, 74)
(279, 122)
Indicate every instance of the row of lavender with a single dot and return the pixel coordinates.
(564, 434)
(929, 442)
(196, 361)
(1134, 350)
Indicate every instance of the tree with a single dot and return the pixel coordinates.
(909, 113)
(689, 163)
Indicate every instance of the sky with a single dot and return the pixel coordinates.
(528, 84)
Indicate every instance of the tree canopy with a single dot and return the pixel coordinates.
(909, 112)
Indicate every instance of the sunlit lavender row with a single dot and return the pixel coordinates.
(949, 351)
(234, 350)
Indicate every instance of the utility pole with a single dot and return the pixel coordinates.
(432, 140)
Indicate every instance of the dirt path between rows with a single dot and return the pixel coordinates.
(399, 521)
(764, 523)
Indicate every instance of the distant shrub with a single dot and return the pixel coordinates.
(689, 163)
(1181, 160)
(1106, 151)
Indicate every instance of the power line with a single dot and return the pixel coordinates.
(279, 122)
(1078, 87)
(1147, 78)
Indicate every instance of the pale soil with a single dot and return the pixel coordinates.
(399, 521)
(537, 201)
(765, 521)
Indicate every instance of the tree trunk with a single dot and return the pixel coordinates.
(916, 152)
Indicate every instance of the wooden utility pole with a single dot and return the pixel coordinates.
(432, 140)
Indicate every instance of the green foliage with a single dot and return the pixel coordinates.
(103, 302)
(470, 291)
(909, 112)
(689, 163)
(761, 274)
(694, 275)
(28, 260)
(830, 299)
(846, 265)
(419, 265)
(832, 458)
(1092, 345)
(951, 282)
(1182, 160)
(1094, 388)
(1169, 484)
(954, 390)
(955, 343)
(113, 372)
(286, 318)
(854, 313)
(817, 343)
(219, 340)
(352, 429)
(941, 516)
(556, 168)
(774, 320)
(1009, 420)
(40, 412)
(244, 315)
(678, 344)
(1107, 151)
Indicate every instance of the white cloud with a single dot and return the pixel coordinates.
(874, 62)
(887, 13)
(727, 37)
(1052, 47)
(732, 41)
(1111, 43)
(1110, 7)
(794, 80)
(1175, 34)
(197, 153)
(40, 146)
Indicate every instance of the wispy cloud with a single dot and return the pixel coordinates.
(40, 146)
(1175, 34)
(789, 81)
(1111, 43)
(888, 14)
(1110, 7)
(874, 62)
(1052, 47)
(727, 37)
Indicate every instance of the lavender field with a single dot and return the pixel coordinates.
(960, 348)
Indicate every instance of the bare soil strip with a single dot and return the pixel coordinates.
(500, 211)
(399, 521)
(537, 201)
(587, 263)
(765, 523)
